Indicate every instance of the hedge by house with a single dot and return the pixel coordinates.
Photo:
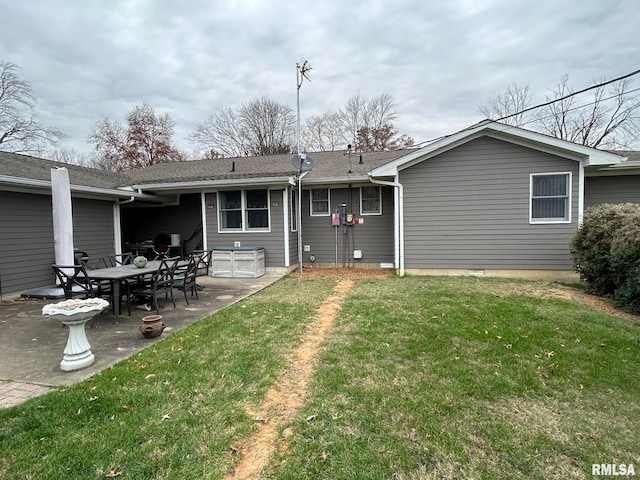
(606, 251)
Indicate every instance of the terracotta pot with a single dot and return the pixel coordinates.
(152, 326)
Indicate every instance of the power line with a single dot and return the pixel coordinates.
(569, 95)
(579, 107)
(631, 74)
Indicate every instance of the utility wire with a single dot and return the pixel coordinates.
(573, 94)
(631, 74)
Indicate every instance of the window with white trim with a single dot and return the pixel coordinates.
(550, 198)
(319, 201)
(243, 210)
(370, 200)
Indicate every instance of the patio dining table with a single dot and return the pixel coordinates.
(116, 275)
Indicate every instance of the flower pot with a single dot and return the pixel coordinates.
(140, 261)
(152, 326)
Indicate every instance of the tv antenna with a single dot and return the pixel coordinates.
(302, 71)
(302, 163)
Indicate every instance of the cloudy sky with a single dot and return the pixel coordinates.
(439, 59)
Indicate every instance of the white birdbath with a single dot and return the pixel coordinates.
(75, 314)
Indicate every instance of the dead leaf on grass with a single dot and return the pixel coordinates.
(236, 448)
(113, 473)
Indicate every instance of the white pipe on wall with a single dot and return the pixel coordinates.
(398, 219)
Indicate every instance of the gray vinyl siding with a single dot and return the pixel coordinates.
(26, 237)
(468, 208)
(93, 227)
(272, 241)
(374, 237)
(618, 189)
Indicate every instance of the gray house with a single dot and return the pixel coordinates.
(489, 200)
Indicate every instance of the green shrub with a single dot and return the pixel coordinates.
(628, 295)
(606, 251)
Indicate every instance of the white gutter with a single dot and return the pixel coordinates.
(46, 184)
(398, 220)
(212, 183)
(285, 207)
(203, 208)
(580, 193)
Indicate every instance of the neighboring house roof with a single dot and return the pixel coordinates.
(538, 141)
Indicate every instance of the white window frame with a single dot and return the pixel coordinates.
(568, 199)
(244, 211)
(320, 214)
(379, 211)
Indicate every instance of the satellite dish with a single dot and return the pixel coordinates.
(302, 162)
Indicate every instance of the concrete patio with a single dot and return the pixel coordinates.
(32, 345)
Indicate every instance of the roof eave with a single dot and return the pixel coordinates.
(203, 184)
(587, 155)
(30, 185)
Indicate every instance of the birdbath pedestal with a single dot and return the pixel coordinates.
(75, 314)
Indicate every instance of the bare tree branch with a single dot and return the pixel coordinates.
(20, 131)
(611, 119)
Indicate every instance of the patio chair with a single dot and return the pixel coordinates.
(121, 259)
(74, 281)
(203, 261)
(184, 278)
(159, 283)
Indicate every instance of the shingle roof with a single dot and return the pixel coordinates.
(34, 168)
(329, 165)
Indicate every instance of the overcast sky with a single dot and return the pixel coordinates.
(90, 60)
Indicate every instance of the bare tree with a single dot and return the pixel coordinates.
(222, 135)
(323, 133)
(514, 100)
(67, 155)
(147, 140)
(260, 127)
(20, 130)
(609, 119)
(360, 113)
(270, 126)
(366, 125)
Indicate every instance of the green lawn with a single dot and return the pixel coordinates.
(419, 378)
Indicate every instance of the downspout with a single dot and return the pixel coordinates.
(398, 219)
(117, 227)
(285, 208)
(203, 209)
(580, 193)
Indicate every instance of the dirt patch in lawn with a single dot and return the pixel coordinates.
(282, 401)
(343, 273)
